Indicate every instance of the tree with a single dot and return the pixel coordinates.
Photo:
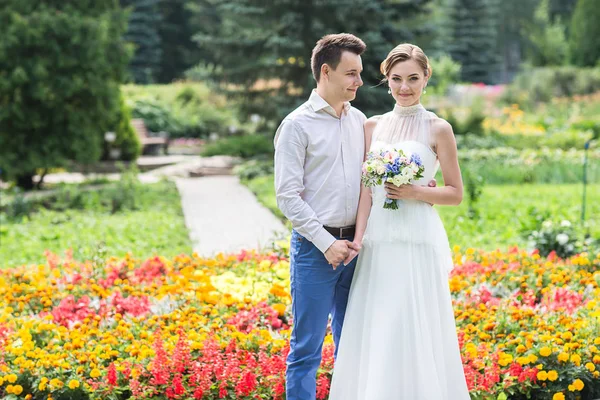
(142, 31)
(179, 51)
(585, 31)
(472, 38)
(547, 38)
(61, 64)
(261, 52)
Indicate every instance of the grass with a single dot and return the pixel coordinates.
(503, 209)
(155, 227)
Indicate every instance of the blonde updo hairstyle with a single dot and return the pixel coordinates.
(405, 52)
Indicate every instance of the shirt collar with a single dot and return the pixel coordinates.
(318, 103)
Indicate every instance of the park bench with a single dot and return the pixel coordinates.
(150, 144)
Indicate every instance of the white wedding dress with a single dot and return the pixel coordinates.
(399, 337)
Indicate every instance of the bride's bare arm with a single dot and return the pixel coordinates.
(365, 200)
(452, 191)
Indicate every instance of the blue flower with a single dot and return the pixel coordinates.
(416, 159)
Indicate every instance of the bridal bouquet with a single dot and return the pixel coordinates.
(391, 165)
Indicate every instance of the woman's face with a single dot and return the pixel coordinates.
(407, 81)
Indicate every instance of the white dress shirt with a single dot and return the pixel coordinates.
(318, 160)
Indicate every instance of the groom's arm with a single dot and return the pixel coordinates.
(290, 153)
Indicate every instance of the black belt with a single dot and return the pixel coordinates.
(343, 232)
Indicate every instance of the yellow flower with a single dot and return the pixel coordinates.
(18, 389)
(564, 357)
(552, 375)
(521, 349)
(590, 366)
(576, 359)
(558, 396)
(542, 375)
(95, 373)
(73, 384)
(56, 383)
(578, 384)
(567, 335)
(12, 378)
(545, 351)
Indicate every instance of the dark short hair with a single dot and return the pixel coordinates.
(329, 51)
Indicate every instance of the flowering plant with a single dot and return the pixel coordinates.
(391, 165)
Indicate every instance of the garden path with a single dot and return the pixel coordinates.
(222, 215)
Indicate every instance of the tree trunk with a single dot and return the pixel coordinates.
(25, 181)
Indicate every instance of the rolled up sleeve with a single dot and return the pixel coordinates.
(290, 154)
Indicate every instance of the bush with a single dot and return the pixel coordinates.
(61, 64)
(127, 140)
(538, 85)
(466, 121)
(558, 237)
(183, 109)
(254, 169)
(446, 72)
(157, 116)
(246, 146)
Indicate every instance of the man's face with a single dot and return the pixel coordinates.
(344, 81)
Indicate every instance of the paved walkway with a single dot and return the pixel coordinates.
(222, 215)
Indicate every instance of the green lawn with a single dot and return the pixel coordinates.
(502, 211)
(155, 227)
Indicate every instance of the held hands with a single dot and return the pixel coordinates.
(339, 251)
(353, 253)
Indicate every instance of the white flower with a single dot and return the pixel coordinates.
(380, 170)
(565, 223)
(562, 238)
(547, 224)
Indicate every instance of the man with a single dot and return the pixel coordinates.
(319, 149)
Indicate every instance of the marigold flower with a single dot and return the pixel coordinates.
(542, 375)
(73, 384)
(545, 351)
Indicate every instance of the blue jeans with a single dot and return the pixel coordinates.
(317, 290)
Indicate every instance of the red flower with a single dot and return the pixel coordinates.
(246, 384)
(112, 375)
(322, 387)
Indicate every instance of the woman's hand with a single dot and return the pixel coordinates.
(403, 192)
(353, 252)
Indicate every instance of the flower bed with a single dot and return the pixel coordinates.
(218, 328)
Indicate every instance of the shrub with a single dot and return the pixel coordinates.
(558, 237)
(254, 168)
(537, 85)
(246, 146)
(127, 141)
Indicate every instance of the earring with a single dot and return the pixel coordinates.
(389, 91)
(424, 91)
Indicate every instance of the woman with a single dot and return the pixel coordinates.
(399, 335)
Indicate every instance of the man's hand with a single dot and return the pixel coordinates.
(338, 252)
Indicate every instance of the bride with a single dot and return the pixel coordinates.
(399, 335)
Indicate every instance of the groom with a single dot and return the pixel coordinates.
(319, 149)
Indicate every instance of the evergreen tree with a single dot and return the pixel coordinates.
(178, 51)
(142, 31)
(61, 64)
(585, 31)
(473, 38)
(261, 52)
